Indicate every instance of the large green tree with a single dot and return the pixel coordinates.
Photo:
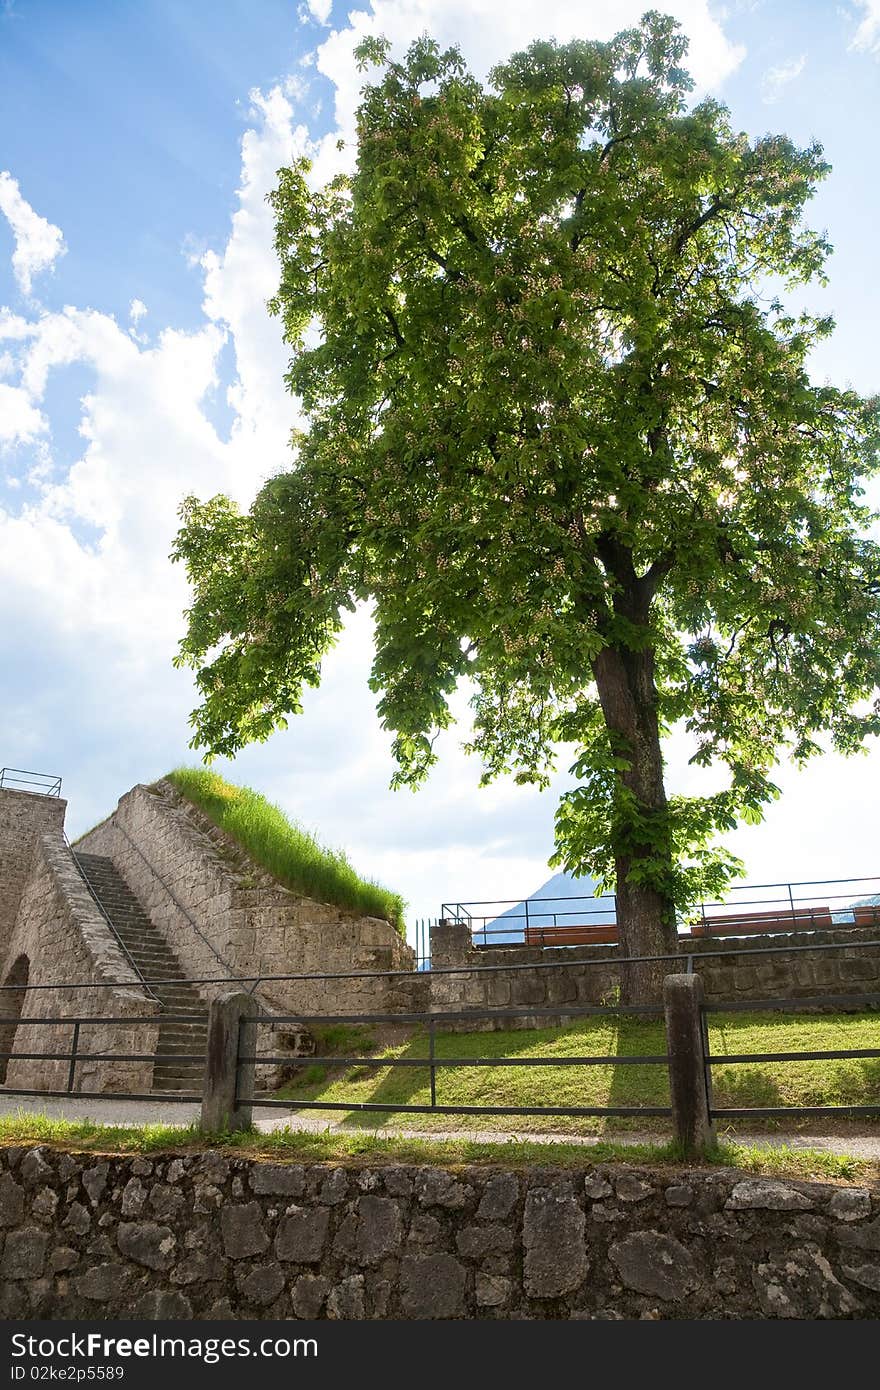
(563, 440)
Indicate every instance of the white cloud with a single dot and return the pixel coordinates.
(20, 421)
(38, 244)
(776, 79)
(136, 310)
(238, 283)
(320, 10)
(867, 36)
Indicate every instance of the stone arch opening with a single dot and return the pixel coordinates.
(11, 1003)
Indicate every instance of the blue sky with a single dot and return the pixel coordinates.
(137, 364)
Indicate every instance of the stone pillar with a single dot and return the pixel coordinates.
(451, 943)
(229, 1083)
(24, 816)
(690, 1083)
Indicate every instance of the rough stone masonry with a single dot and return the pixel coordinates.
(204, 1236)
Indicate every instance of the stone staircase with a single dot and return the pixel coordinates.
(156, 963)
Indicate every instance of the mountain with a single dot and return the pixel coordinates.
(562, 900)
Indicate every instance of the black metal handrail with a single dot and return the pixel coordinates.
(717, 1059)
(177, 903)
(432, 1062)
(74, 1055)
(108, 919)
(554, 913)
(39, 783)
(246, 1058)
(681, 959)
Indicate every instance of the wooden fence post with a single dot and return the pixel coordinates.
(690, 1083)
(229, 1084)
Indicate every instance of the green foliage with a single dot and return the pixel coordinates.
(289, 853)
(563, 445)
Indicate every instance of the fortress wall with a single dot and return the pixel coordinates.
(61, 937)
(23, 817)
(225, 917)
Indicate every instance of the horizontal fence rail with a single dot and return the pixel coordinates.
(431, 1063)
(811, 905)
(712, 1059)
(19, 780)
(682, 959)
(688, 1053)
(74, 1055)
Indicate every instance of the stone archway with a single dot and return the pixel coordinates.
(11, 1002)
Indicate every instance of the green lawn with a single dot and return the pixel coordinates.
(287, 851)
(359, 1149)
(853, 1081)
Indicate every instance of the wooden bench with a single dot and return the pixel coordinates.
(575, 935)
(746, 923)
(725, 924)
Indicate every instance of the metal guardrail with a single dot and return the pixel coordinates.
(236, 1065)
(139, 978)
(231, 975)
(748, 908)
(714, 1059)
(39, 783)
(681, 959)
(431, 1062)
(74, 1055)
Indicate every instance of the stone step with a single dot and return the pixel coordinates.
(149, 953)
(156, 962)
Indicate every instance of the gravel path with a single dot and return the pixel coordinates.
(110, 1112)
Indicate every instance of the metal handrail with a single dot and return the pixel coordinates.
(678, 957)
(117, 938)
(585, 911)
(178, 904)
(42, 783)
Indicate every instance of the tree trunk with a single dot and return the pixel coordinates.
(645, 916)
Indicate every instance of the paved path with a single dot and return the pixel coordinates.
(116, 1112)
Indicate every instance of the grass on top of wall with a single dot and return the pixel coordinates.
(288, 852)
(309, 1146)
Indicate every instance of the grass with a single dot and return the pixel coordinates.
(851, 1081)
(287, 851)
(367, 1149)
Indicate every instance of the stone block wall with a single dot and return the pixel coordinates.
(224, 916)
(730, 971)
(519, 982)
(583, 977)
(23, 817)
(204, 1236)
(59, 936)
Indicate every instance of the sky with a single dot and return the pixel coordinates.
(138, 364)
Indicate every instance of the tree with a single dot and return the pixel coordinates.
(565, 443)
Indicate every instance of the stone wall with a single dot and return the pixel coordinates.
(23, 816)
(735, 974)
(204, 1236)
(579, 981)
(60, 935)
(583, 979)
(223, 915)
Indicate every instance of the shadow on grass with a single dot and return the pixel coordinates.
(736, 1085)
(521, 1086)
